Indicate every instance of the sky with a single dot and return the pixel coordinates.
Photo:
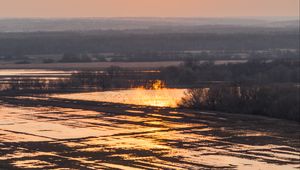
(147, 8)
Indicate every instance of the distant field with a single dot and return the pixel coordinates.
(101, 65)
(86, 66)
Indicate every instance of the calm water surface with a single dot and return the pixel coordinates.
(87, 131)
(160, 98)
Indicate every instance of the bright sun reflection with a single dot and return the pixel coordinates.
(160, 97)
(154, 95)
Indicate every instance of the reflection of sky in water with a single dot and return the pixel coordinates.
(6, 75)
(136, 138)
(160, 98)
(31, 72)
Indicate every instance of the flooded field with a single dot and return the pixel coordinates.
(32, 72)
(6, 75)
(90, 65)
(87, 131)
(97, 65)
(139, 96)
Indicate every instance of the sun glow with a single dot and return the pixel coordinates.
(154, 95)
(159, 97)
(158, 84)
(153, 85)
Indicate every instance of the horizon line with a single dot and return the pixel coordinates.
(149, 17)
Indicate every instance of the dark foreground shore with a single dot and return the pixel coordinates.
(50, 133)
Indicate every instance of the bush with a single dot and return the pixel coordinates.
(273, 101)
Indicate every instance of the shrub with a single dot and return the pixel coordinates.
(273, 101)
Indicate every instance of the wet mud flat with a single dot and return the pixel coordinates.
(53, 133)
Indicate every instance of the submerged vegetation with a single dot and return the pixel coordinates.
(269, 88)
(273, 101)
(111, 78)
(260, 87)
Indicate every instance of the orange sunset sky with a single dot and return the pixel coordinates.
(148, 8)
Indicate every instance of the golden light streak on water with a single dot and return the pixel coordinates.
(139, 96)
(124, 137)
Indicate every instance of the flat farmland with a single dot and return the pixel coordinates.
(90, 65)
(99, 65)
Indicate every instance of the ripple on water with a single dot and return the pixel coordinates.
(159, 98)
(126, 137)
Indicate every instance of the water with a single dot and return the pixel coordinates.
(6, 75)
(160, 98)
(86, 131)
(32, 72)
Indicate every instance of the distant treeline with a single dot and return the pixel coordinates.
(190, 74)
(204, 55)
(13, 44)
(252, 72)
